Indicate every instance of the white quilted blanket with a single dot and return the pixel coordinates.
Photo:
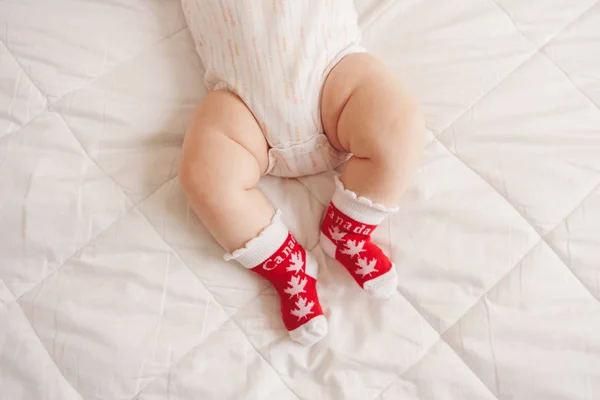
(111, 289)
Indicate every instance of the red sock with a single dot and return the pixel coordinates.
(278, 257)
(346, 236)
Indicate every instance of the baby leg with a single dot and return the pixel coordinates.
(368, 113)
(224, 155)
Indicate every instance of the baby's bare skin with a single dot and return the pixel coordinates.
(365, 111)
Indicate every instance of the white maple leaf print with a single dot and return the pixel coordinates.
(336, 234)
(366, 267)
(353, 248)
(304, 308)
(296, 286)
(296, 263)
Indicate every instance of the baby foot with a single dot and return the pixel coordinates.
(346, 236)
(278, 257)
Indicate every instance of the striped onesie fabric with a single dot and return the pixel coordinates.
(275, 55)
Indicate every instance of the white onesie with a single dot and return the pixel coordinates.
(275, 55)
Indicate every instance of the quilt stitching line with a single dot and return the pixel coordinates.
(95, 79)
(184, 28)
(410, 367)
(68, 127)
(59, 268)
(18, 63)
(135, 209)
(14, 298)
(436, 132)
(537, 243)
(556, 252)
(382, 11)
(212, 297)
(119, 218)
(566, 75)
(484, 95)
(215, 300)
(525, 61)
(52, 358)
(194, 347)
(420, 359)
(49, 104)
(467, 311)
(171, 365)
(564, 28)
(92, 240)
(34, 84)
(541, 50)
(230, 318)
(469, 308)
(542, 239)
(24, 126)
(77, 252)
(479, 99)
(458, 320)
(48, 353)
(542, 236)
(47, 110)
(440, 338)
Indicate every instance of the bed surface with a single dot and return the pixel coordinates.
(111, 289)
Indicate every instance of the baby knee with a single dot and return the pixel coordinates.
(196, 180)
(404, 130)
(214, 169)
(408, 123)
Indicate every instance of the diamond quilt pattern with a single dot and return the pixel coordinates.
(110, 288)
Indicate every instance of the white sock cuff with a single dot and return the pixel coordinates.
(259, 249)
(357, 207)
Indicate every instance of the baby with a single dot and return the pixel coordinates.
(292, 93)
